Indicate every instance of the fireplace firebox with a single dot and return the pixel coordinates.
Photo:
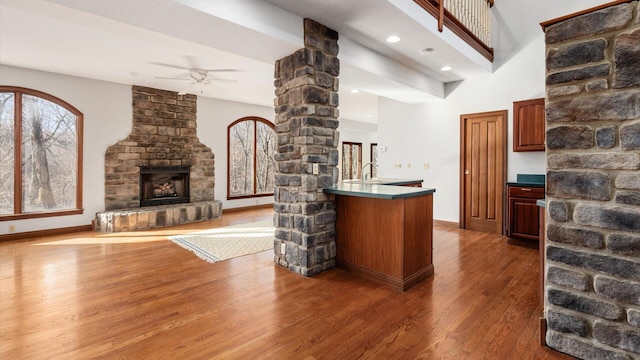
(164, 185)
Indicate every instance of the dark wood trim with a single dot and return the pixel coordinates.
(542, 325)
(245, 208)
(256, 120)
(35, 215)
(17, 186)
(41, 233)
(450, 21)
(548, 23)
(373, 148)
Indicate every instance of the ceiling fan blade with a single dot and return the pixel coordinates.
(222, 81)
(169, 65)
(172, 78)
(221, 70)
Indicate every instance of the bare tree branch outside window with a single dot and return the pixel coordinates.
(351, 160)
(7, 134)
(49, 154)
(251, 164)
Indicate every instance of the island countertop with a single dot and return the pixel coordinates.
(369, 190)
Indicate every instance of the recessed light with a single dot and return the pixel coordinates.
(355, 91)
(426, 51)
(446, 68)
(393, 39)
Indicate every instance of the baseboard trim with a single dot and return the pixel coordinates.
(245, 208)
(543, 331)
(41, 233)
(444, 223)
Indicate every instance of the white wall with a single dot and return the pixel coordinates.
(430, 133)
(107, 119)
(213, 118)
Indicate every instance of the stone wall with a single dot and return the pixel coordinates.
(306, 120)
(163, 134)
(593, 184)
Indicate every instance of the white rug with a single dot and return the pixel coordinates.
(228, 242)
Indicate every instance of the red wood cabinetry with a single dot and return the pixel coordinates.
(523, 222)
(529, 125)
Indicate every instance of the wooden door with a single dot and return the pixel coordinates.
(483, 170)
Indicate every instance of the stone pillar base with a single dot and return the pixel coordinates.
(150, 217)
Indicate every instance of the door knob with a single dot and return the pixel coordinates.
(466, 171)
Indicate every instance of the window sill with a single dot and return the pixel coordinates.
(36, 215)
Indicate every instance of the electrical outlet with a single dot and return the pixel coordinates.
(398, 165)
(283, 248)
(316, 169)
(408, 165)
(12, 228)
(425, 166)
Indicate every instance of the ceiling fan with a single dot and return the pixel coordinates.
(199, 77)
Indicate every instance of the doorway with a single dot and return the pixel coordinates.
(483, 170)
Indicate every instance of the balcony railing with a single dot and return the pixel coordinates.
(469, 19)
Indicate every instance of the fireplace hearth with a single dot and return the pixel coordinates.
(164, 185)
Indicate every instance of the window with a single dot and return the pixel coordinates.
(374, 160)
(251, 144)
(351, 160)
(40, 155)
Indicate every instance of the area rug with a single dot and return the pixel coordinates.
(228, 242)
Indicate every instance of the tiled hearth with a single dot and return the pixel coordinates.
(164, 136)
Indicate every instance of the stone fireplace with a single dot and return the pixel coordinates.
(161, 174)
(164, 185)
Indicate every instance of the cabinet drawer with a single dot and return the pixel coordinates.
(526, 191)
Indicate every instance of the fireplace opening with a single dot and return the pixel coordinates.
(163, 185)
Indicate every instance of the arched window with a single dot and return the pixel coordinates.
(251, 144)
(40, 155)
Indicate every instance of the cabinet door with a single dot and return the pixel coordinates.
(529, 125)
(523, 218)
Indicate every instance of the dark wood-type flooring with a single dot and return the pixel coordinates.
(139, 296)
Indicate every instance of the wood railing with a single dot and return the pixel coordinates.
(469, 19)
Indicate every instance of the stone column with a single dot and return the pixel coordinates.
(593, 184)
(307, 156)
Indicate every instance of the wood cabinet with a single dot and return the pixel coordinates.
(388, 241)
(529, 125)
(414, 184)
(523, 216)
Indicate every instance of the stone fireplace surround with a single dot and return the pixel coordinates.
(163, 135)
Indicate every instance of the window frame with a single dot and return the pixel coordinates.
(373, 155)
(351, 144)
(255, 119)
(17, 155)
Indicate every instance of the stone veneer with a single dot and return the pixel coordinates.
(306, 122)
(592, 301)
(163, 134)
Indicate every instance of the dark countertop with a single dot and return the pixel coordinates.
(378, 191)
(529, 184)
(382, 181)
(531, 180)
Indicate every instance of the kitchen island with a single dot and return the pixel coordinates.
(384, 232)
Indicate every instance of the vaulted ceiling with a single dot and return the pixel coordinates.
(150, 42)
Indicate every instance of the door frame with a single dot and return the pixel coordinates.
(463, 117)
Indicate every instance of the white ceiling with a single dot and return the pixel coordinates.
(138, 41)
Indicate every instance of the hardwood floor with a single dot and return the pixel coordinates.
(139, 296)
